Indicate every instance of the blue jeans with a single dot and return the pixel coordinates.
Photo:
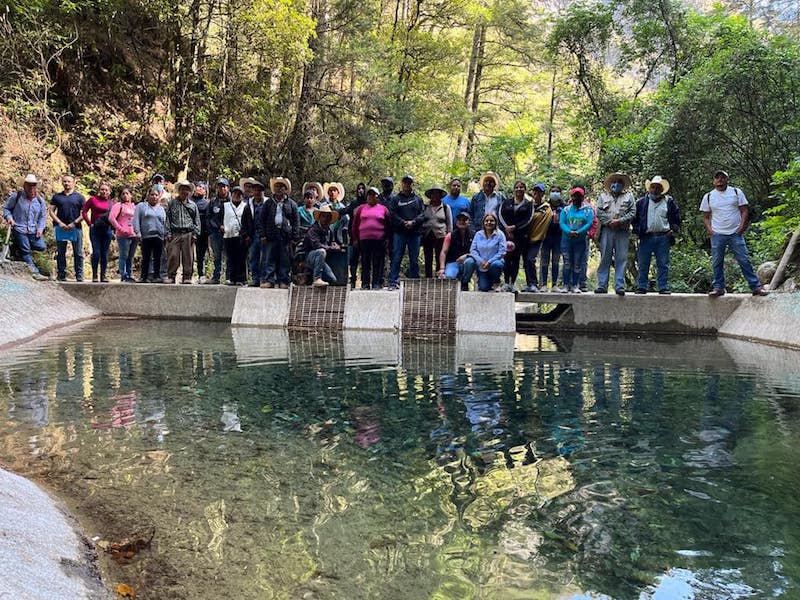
(216, 243)
(735, 241)
(25, 243)
(574, 252)
(315, 260)
(101, 241)
(278, 260)
(77, 255)
(454, 270)
(613, 246)
(649, 245)
(485, 278)
(530, 263)
(255, 262)
(127, 248)
(400, 241)
(551, 256)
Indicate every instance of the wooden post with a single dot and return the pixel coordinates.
(787, 255)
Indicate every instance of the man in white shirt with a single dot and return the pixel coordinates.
(725, 216)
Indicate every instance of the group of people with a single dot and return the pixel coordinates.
(267, 238)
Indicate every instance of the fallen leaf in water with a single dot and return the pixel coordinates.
(126, 591)
(122, 552)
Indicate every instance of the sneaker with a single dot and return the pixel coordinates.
(664, 292)
(392, 288)
(556, 290)
(79, 279)
(760, 292)
(640, 291)
(169, 280)
(532, 288)
(186, 281)
(716, 293)
(285, 286)
(202, 281)
(567, 289)
(254, 284)
(317, 283)
(61, 278)
(95, 280)
(577, 290)
(619, 292)
(268, 285)
(212, 282)
(601, 291)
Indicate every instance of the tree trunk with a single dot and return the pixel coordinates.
(476, 90)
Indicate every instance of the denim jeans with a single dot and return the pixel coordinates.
(25, 243)
(255, 262)
(454, 270)
(278, 259)
(574, 252)
(485, 278)
(735, 241)
(402, 239)
(216, 243)
(613, 246)
(551, 256)
(101, 241)
(530, 264)
(77, 255)
(127, 248)
(315, 260)
(650, 245)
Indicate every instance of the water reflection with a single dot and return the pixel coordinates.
(363, 465)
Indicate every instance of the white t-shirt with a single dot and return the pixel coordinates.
(724, 209)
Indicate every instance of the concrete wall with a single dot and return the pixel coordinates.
(774, 319)
(374, 310)
(485, 312)
(255, 307)
(157, 301)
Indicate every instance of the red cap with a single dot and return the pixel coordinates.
(577, 190)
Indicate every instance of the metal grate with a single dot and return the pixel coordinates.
(429, 306)
(316, 308)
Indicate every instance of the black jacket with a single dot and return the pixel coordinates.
(215, 213)
(407, 208)
(291, 221)
(317, 237)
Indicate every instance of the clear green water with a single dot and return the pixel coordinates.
(316, 467)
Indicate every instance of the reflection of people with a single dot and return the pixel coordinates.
(368, 431)
(121, 414)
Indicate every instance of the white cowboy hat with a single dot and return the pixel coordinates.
(326, 209)
(659, 180)
(331, 184)
(316, 185)
(273, 181)
(489, 175)
(184, 183)
(32, 179)
(245, 180)
(626, 181)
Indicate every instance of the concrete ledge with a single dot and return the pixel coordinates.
(255, 307)
(375, 310)
(41, 556)
(774, 319)
(485, 312)
(157, 301)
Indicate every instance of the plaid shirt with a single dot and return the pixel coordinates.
(182, 217)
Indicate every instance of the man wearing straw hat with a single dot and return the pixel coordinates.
(488, 200)
(616, 208)
(657, 221)
(26, 214)
(280, 226)
(318, 243)
(183, 227)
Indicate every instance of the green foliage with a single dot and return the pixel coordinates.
(782, 219)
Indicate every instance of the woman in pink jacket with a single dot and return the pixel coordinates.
(121, 218)
(369, 233)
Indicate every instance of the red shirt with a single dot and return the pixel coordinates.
(97, 207)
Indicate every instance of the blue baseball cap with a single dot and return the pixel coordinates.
(541, 187)
(222, 181)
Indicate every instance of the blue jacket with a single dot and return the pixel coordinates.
(640, 220)
(492, 248)
(576, 219)
(477, 208)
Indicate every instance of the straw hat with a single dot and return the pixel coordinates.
(435, 188)
(31, 179)
(273, 181)
(314, 185)
(184, 183)
(626, 181)
(489, 175)
(333, 184)
(659, 180)
(246, 180)
(326, 209)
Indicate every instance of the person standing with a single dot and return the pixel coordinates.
(551, 244)
(455, 252)
(457, 201)
(238, 226)
(408, 213)
(437, 224)
(280, 224)
(541, 220)
(371, 228)
(65, 210)
(657, 221)
(26, 214)
(616, 208)
(121, 218)
(216, 228)
(387, 191)
(515, 217)
(183, 227)
(256, 254)
(95, 213)
(575, 221)
(488, 200)
(149, 224)
(200, 198)
(725, 217)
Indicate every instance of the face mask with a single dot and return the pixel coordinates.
(616, 188)
(555, 195)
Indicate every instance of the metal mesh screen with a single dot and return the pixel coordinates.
(316, 308)
(429, 306)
